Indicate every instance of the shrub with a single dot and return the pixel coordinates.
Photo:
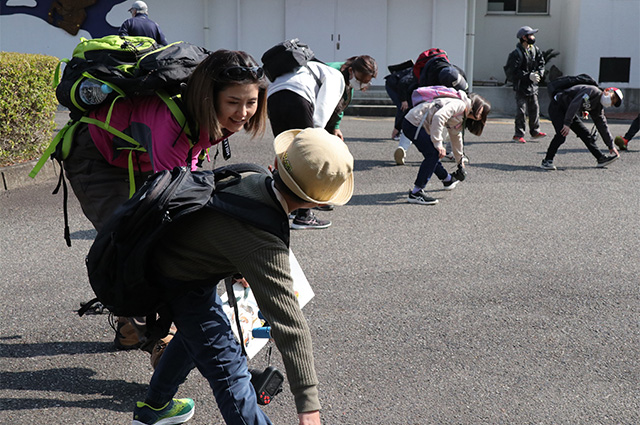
(27, 106)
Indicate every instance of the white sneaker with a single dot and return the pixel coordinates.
(399, 155)
(448, 158)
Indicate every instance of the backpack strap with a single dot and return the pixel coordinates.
(176, 106)
(135, 146)
(315, 77)
(65, 135)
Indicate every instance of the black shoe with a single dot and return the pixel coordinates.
(324, 208)
(451, 184)
(605, 160)
(460, 174)
(309, 222)
(421, 198)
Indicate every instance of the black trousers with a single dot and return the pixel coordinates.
(556, 114)
(288, 110)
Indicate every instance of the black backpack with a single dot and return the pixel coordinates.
(126, 66)
(287, 57)
(562, 83)
(117, 262)
(510, 67)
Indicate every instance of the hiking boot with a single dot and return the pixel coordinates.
(126, 335)
(399, 155)
(160, 346)
(539, 135)
(451, 184)
(605, 160)
(460, 174)
(421, 198)
(177, 411)
(547, 164)
(309, 222)
(621, 143)
(519, 139)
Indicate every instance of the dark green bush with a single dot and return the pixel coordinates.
(27, 106)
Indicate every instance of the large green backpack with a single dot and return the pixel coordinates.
(125, 66)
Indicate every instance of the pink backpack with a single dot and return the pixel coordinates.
(430, 93)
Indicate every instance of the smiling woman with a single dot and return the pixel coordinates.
(225, 94)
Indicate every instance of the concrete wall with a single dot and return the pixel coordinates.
(582, 31)
(575, 28)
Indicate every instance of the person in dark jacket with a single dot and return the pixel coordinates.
(399, 85)
(565, 111)
(140, 25)
(441, 72)
(528, 69)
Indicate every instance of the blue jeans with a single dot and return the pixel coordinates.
(205, 340)
(431, 163)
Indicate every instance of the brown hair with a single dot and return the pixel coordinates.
(365, 64)
(206, 83)
(477, 126)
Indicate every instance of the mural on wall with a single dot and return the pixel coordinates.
(69, 15)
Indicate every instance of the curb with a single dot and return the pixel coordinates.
(16, 176)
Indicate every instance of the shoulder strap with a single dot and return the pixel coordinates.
(314, 75)
(176, 106)
(262, 216)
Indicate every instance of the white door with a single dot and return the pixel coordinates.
(338, 29)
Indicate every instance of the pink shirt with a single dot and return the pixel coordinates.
(149, 121)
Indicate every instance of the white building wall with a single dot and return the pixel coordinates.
(608, 28)
(581, 30)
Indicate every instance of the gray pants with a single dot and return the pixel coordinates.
(100, 188)
(527, 105)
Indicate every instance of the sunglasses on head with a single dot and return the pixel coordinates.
(242, 72)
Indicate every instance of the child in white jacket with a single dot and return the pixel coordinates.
(425, 124)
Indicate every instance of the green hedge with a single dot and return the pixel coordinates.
(27, 106)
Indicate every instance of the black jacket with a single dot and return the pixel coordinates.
(525, 64)
(141, 25)
(584, 98)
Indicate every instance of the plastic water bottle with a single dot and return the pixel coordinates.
(93, 92)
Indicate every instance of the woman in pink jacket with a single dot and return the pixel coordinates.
(226, 93)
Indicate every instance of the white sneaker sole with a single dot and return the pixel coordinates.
(452, 185)
(421, 201)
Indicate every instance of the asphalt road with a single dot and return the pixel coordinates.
(513, 301)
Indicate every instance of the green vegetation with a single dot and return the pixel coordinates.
(27, 106)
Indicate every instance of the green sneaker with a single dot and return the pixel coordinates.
(175, 412)
(621, 143)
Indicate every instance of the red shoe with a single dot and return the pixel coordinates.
(519, 139)
(539, 135)
(621, 143)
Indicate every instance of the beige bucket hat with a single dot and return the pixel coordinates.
(315, 165)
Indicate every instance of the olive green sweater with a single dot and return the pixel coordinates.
(209, 244)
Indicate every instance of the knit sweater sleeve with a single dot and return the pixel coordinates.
(268, 272)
